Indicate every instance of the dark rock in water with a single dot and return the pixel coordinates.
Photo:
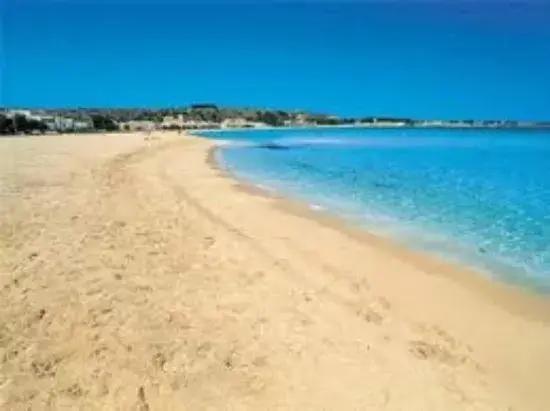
(274, 146)
(383, 185)
(482, 250)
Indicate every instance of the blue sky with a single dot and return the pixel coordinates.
(428, 60)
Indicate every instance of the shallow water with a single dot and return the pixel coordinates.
(480, 197)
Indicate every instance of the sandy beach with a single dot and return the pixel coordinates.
(135, 275)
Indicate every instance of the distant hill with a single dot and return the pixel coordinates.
(207, 115)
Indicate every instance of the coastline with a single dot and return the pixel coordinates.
(516, 298)
(461, 298)
(136, 274)
(375, 127)
(463, 286)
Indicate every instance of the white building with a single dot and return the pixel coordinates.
(237, 122)
(138, 125)
(13, 113)
(241, 122)
(172, 121)
(59, 123)
(54, 123)
(199, 124)
(83, 124)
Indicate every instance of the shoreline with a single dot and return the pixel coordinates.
(516, 298)
(499, 322)
(196, 132)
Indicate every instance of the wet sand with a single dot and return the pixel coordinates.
(136, 275)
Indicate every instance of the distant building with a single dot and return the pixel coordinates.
(241, 122)
(385, 123)
(58, 123)
(237, 122)
(54, 123)
(258, 124)
(138, 125)
(173, 121)
(300, 119)
(13, 113)
(199, 124)
(83, 124)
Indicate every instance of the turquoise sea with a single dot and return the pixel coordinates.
(478, 197)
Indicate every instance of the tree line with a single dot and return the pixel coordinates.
(108, 119)
(207, 112)
(21, 124)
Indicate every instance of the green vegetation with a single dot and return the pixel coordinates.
(271, 118)
(21, 124)
(6, 125)
(102, 122)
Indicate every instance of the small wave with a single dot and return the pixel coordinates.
(236, 143)
(312, 141)
(404, 141)
(288, 143)
(317, 207)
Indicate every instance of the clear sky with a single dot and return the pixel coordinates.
(432, 60)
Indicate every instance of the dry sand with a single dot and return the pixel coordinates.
(135, 276)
